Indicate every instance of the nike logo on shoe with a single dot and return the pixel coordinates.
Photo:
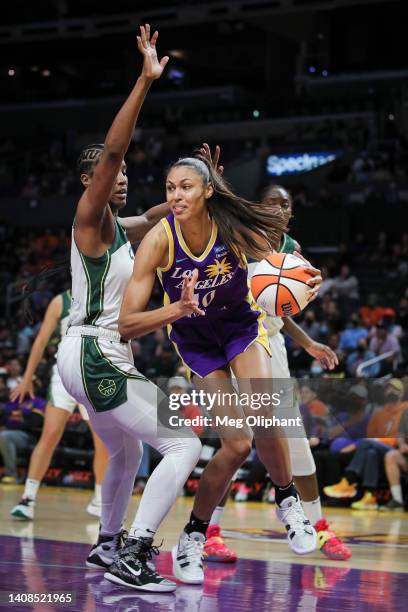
(131, 570)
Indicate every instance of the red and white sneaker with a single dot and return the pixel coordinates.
(330, 545)
(215, 548)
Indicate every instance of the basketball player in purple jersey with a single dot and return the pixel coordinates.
(197, 253)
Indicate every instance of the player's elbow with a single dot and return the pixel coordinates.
(130, 327)
(125, 329)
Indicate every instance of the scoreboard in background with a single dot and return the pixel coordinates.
(294, 163)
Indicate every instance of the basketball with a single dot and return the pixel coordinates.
(279, 284)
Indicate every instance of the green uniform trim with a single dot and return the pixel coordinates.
(120, 238)
(66, 303)
(118, 370)
(104, 383)
(288, 245)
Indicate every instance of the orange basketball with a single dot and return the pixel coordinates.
(279, 284)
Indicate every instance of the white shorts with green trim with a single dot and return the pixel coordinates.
(95, 366)
(59, 397)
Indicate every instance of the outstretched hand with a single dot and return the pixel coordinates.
(188, 301)
(20, 391)
(152, 67)
(213, 160)
(324, 355)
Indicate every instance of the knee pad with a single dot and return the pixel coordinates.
(301, 457)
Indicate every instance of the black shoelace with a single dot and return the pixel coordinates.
(144, 550)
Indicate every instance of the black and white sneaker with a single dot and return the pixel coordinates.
(102, 553)
(188, 558)
(391, 505)
(302, 537)
(24, 510)
(130, 567)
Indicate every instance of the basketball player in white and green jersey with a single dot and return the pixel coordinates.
(60, 406)
(96, 364)
(303, 464)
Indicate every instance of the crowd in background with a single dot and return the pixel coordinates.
(361, 311)
(357, 323)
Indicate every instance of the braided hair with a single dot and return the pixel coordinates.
(88, 158)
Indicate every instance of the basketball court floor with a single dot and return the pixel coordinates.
(47, 557)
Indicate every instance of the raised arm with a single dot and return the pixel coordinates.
(48, 326)
(134, 321)
(92, 206)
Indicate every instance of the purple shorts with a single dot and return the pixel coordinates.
(211, 342)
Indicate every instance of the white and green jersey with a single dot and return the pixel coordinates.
(98, 283)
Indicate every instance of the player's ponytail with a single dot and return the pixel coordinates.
(236, 216)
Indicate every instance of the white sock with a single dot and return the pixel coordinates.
(31, 488)
(216, 515)
(98, 493)
(396, 492)
(313, 510)
(140, 532)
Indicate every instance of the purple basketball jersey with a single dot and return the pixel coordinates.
(232, 319)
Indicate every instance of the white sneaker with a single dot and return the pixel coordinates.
(24, 510)
(302, 536)
(187, 558)
(94, 508)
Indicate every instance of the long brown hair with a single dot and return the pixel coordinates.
(236, 216)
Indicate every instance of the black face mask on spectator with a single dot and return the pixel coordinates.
(392, 397)
(361, 350)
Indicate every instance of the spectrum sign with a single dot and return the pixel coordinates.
(293, 163)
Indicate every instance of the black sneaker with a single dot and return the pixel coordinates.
(130, 567)
(102, 553)
(391, 505)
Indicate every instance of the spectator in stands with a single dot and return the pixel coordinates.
(351, 335)
(138, 358)
(382, 432)
(402, 314)
(383, 342)
(396, 462)
(327, 283)
(349, 426)
(371, 313)
(311, 404)
(359, 356)
(310, 325)
(332, 321)
(345, 285)
(164, 359)
(17, 420)
(14, 374)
